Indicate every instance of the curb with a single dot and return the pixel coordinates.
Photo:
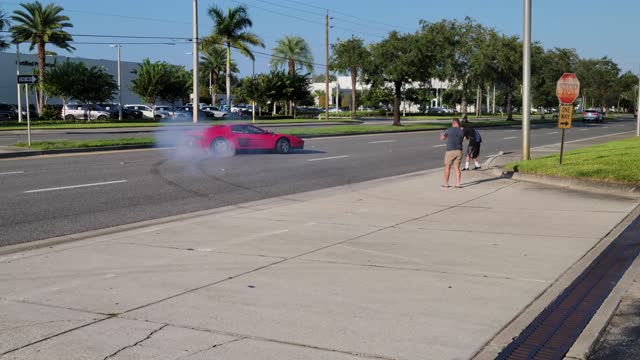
(29, 153)
(627, 191)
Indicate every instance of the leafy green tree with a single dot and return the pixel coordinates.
(419, 95)
(64, 80)
(297, 89)
(230, 29)
(4, 22)
(294, 52)
(350, 55)
(97, 86)
(457, 43)
(598, 77)
(399, 59)
(177, 85)
(549, 67)
(150, 80)
(625, 90)
(378, 96)
(213, 59)
(40, 26)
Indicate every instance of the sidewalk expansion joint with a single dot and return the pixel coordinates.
(137, 342)
(211, 348)
(203, 250)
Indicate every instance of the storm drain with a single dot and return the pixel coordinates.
(556, 328)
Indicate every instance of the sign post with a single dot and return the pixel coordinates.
(26, 80)
(567, 91)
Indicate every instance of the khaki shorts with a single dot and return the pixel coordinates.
(453, 157)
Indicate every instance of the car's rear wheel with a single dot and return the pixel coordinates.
(283, 146)
(220, 147)
(69, 117)
(102, 117)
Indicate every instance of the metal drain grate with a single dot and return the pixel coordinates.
(556, 328)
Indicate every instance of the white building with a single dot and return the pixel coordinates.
(343, 87)
(29, 63)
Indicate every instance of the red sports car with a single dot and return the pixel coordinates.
(225, 139)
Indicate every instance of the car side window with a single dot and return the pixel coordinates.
(255, 130)
(239, 129)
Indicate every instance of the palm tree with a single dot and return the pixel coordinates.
(230, 30)
(292, 50)
(350, 55)
(40, 26)
(4, 22)
(212, 63)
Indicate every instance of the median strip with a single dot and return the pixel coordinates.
(75, 186)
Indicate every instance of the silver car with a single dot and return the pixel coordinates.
(84, 112)
(592, 115)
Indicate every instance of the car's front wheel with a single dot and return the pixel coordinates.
(102, 117)
(220, 147)
(69, 117)
(283, 146)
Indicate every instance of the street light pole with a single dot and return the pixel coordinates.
(526, 81)
(638, 111)
(118, 46)
(195, 62)
(253, 85)
(18, 73)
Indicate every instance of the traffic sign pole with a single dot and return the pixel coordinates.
(26, 95)
(562, 147)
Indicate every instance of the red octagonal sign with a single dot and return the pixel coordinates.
(568, 88)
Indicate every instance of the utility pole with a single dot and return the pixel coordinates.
(526, 81)
(326, 76)
(253, 85)
(494, 99)
(119, 86)
(195, 62)
(18, 73)
(638, 111)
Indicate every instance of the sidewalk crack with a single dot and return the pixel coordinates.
(137, 343)
(211, 348)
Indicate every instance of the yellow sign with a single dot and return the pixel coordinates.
(565, 116)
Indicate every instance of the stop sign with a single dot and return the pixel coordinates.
(568, 88)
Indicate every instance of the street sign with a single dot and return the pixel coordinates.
(568, 88)
(565, 116)
(27, 79)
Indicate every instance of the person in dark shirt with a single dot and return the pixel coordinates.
(453, 155)
(473, 147)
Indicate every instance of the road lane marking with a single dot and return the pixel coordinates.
(441, 145)
(12, 172)
(382, 141)
(510, 137)
(76, 186)
(329, 158)
(583, 130)
(553, 132)
(511, 130)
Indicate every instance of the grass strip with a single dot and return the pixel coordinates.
(65, 144)
(614, 162)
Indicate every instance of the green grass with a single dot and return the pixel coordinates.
(64, 144)
(615, 162)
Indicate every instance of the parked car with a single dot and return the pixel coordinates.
(215, 111)
(148, 111)
(85, 112)
(224, 140)
(127, 114)
(185, 113)
(592, 115)
(8, 112)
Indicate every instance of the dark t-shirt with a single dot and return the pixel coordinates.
(454, 136)
(470, 134)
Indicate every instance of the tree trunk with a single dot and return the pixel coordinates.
(275, 104)
(216, 79)
(396, 103)
(354, 78)
(509, 107)
(479, 109)
(228, 78)
(463, 106)
(41, 59)
(488, 97)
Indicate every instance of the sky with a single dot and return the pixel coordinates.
(593, 27)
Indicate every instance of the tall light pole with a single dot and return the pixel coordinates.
(526, 81)
(326, 75)
(118, 46)
(638, 111)
(18, 73)
(195, 62)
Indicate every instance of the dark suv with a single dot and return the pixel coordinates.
(8, 112)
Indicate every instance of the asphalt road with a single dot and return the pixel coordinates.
(44, 197)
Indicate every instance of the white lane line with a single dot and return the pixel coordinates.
(583, 130)
(510, 137)
(604, 127)
(12, 172)
(382, 141)
(76, 186)
(329, 158)
(511, 130)
(553, 132)
(442, 145)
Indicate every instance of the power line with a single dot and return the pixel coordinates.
(129, 43)
(177, 38)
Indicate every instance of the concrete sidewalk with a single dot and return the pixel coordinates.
(391, 269)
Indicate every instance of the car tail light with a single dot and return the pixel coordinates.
(584, 113)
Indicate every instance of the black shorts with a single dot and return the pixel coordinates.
(473, 151)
